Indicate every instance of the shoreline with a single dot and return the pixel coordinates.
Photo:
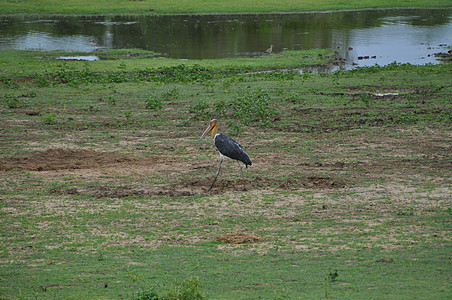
(154, 13)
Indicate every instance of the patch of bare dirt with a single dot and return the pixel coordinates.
(385, 260)
(61, 159)
(104, 191)
(296, 182)
(314, 182)
(240, 238)
(104, 166)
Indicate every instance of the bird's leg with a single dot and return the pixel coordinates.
(241, 171)
(218, 173)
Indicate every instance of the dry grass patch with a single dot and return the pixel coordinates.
(240, 238)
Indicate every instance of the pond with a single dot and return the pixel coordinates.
(363, 37)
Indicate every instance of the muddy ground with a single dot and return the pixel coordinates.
(334, 166)
(89, 163)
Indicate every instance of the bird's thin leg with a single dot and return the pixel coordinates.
(241, 171)
(218, 173)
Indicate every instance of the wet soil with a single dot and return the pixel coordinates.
(87, 163)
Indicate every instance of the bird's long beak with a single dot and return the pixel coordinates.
(208, 129)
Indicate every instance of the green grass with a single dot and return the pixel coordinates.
(29, 63)
(343, 181)
(290, 275)
(195, 7)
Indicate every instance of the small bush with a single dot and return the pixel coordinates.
(154, 103)
(171, 94)
(49, 118)
(12, 101)
(249, 108)
(189, 290)
(180, 73)
(406, 118)
(42, 80)
(9, 83)
(150, 294)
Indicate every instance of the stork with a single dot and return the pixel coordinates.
(228, 148)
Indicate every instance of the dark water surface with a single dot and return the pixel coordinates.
(384, 36)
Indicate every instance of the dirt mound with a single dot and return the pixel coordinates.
(240, 237)
(60, 159)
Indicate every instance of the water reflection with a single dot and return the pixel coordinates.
(388, 35)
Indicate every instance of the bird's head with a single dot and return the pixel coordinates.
(212, 128)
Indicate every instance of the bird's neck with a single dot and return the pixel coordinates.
(214, 130)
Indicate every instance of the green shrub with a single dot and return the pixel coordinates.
(48, 118)
(249, 108)
(179, 73)
(150, 294)
(12, 101)
(189, 290)
(154, 103)
(171, 94)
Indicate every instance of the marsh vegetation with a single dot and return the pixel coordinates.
(103, 178)
(199, 7)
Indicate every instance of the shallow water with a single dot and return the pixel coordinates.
(80, 57)
(363, 38)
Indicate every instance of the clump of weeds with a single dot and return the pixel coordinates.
(129, 116)
(329, 279)
(49, 118)
(14, 101)
(366, 99)
(248, 108)
(171, 94)
(179, 73)
(7, 82)
(111, 101)
(188, 290)
(154, 103)
(201, 109)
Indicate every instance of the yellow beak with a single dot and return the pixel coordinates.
(208, 129)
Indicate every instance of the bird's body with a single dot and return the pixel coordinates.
(228, 148)
(269, 50)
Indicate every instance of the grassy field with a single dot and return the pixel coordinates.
(103, 179)
(199, 6)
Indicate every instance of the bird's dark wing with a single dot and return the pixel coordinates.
(230, 148)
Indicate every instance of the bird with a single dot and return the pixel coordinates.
(94, 44)
(269, 50)
(228, 148)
